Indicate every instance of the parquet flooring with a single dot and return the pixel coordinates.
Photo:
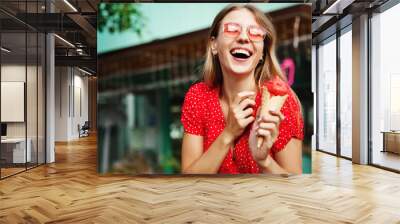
(10, 171)
(70, 191)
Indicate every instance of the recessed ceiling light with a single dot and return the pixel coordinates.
(84, 71)
(64, 40)
(5, 50)
(338, 6)
(70, 5)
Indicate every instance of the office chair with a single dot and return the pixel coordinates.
(84, 130)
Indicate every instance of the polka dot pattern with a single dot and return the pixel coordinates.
(202, 115)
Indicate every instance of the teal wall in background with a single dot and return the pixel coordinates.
(170, 19)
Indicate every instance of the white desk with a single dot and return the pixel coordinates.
(18, 150)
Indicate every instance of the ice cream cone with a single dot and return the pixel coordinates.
(269, 103)
(264, 102)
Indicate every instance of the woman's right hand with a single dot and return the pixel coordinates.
(240, 113)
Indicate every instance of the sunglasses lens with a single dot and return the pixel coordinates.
(232, 29)
(256, 34)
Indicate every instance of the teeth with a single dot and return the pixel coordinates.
(242, 51)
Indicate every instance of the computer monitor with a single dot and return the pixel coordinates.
(3, 129)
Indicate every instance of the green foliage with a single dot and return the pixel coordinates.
(171, 165)
(119, 17)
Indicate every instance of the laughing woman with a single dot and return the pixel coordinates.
(220, 115)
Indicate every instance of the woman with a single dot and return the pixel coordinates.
(220, 115)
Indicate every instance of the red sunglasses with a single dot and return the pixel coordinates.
(255, 33)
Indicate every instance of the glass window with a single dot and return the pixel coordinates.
(345, 93)
(22, 90)
(15, 151)
(31, 96)
(327, 96)
(385, 88)
(41, 98)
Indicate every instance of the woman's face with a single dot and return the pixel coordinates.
(238, 44)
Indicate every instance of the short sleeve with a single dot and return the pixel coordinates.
(292, 125)
(192, 111)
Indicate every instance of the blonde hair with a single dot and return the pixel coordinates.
(212, 73)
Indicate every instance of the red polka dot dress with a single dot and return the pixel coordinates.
(202, 115)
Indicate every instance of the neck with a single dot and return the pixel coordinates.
(233, 85)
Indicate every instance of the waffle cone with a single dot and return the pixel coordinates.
(269, 103)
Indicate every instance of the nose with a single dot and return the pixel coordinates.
(243, 37)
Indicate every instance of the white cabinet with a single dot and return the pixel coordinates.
(18, 149)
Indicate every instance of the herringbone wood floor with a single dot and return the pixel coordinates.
(70, 191)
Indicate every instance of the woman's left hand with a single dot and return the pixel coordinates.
(266, 126)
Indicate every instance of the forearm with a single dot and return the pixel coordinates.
(211, 160)
(269, 165)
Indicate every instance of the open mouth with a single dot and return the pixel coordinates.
(241, 53)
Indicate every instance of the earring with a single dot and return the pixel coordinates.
(261, 60)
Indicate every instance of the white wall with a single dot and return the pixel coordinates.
(71, 93)
(13, 73)
(13, 101)
(80, 100)
(61, 103)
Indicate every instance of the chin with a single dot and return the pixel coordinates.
(242, 70)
